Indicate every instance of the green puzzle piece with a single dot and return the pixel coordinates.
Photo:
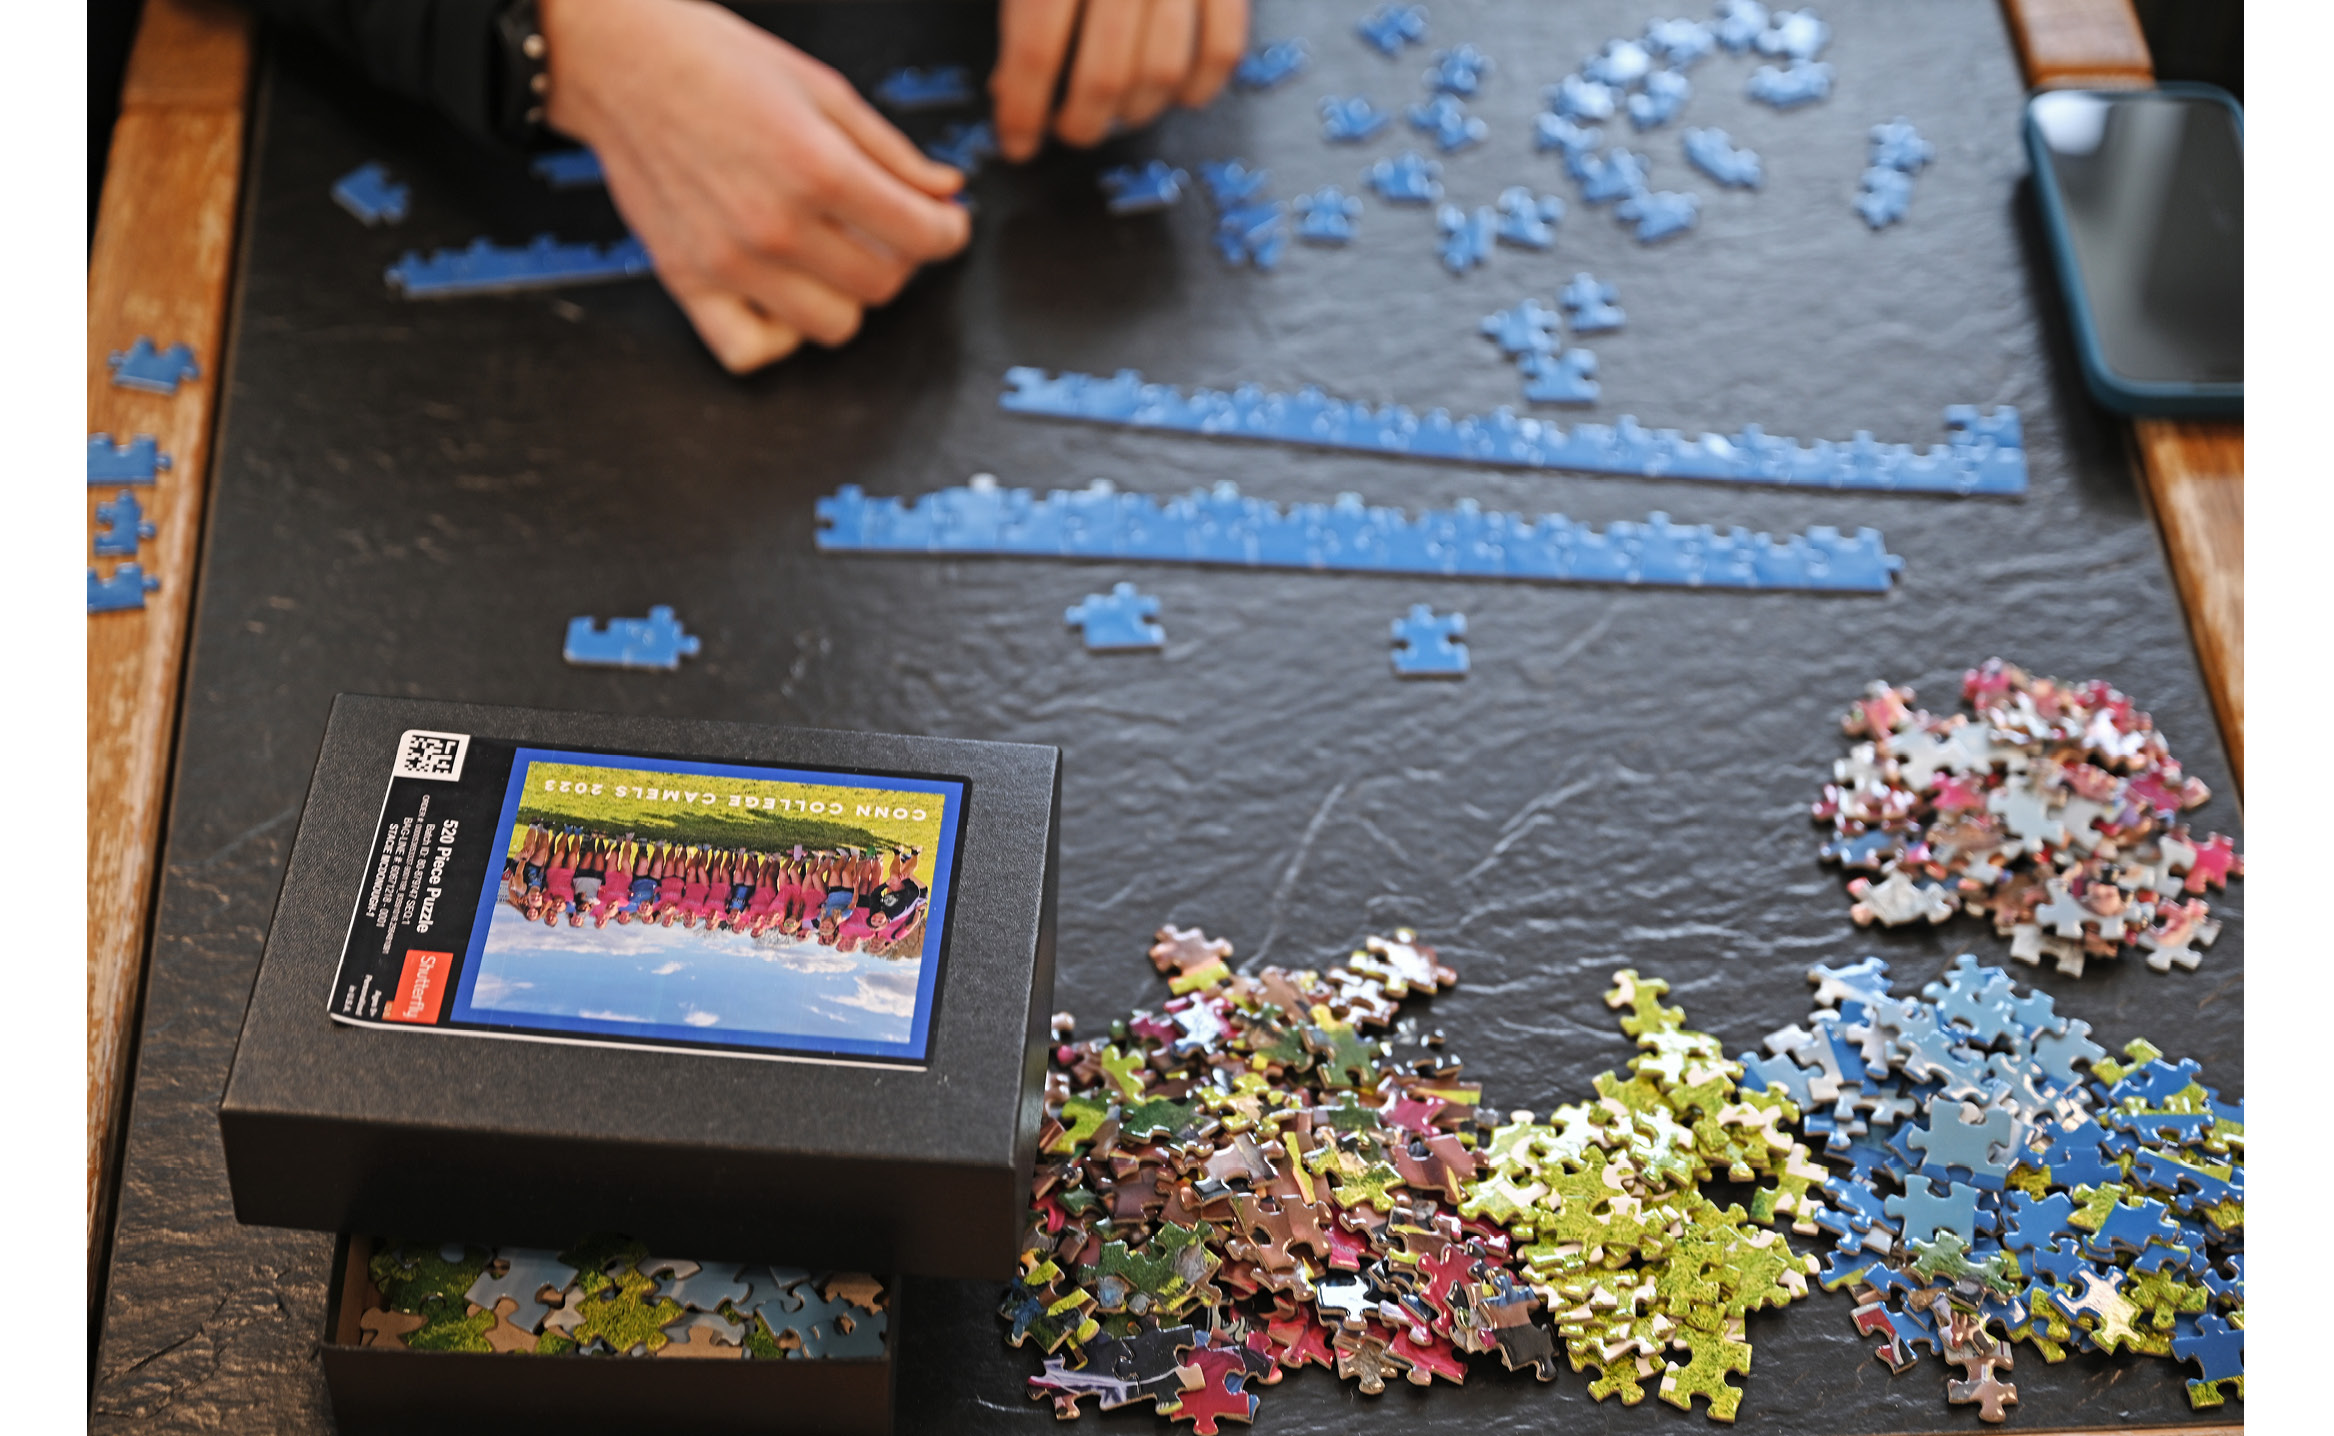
(1125, 1071)
(1081, 1118)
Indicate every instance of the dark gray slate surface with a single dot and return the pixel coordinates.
(414, 499)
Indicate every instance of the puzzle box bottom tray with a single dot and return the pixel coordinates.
(395, 1392)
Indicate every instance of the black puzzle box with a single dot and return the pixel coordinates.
(776, 994)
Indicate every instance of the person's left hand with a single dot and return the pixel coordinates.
(1134, 59)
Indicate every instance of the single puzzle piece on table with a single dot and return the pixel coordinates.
(1665, 93)
(913, 88)
(1268, 65)
(1526, 220)
(136, 462)
(1466, 238)
(1796, 33)
(542, 263)
(157, 371)
(1620, 64)
(1326, 216)
(1392, 27)
(1554, 132)
(126, 587)
(1458, 71)
(1195, 959)
(1619, 174)
(1886, 195)
(525, 1273)
(1740, 23)
(1576, 97)
(1351, 119)
(1683, 43)
(1802, 83)
(1590, 303)
(965, 147)
(569, 169)
(1659, 214)
(126, 526)
(1897, 145)
(1897, 899)
(1155, 186)
(1566, 378)
(368, 193)
(1252, 234)
(1713, 152)
(1448, 123)
(1524, 329)
(1425, 646)
(1408, 178)
(1119, 619)
(656, 642)
(2218, 1349)
(1231, 183)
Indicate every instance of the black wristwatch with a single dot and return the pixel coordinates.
(522, 74)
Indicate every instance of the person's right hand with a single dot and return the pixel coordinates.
(775, 202)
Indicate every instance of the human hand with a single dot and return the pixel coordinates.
(1135, 57)
(775, 202)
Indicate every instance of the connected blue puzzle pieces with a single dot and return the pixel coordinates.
(1118, 620)
(126, 588)
(1898, 146)
(1714, 154)
(126, 526)
(656, 641)
(1155, 186)
(940, 87)
(1886, 194)
(1222, 526)
(157, 371)
(135, 462)
(1971, 464)
(1389, 28)
(368, 193)
(488, 268)
(1424, 646)
(1269, 65)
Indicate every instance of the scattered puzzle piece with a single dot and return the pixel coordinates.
(142, 366)
(1390, 28)
(1714, 154)
(1408, 178)
(488, 268)
(126, 587)
(1424, 646)
(1351, 119)
(1802, 82)
(1269, 65)
(136, 462)
(1156, 186)
(1566, 378)
(126, 526)
(368, 193)
(657, 642)
(1448, 123)
(1326, 216)
(1466, 237)
(1118, 620)
(940, 87)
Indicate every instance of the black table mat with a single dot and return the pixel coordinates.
(414, 498)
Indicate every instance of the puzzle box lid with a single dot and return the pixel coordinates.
(758, 993)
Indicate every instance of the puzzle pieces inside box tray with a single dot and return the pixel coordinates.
(607, 1296)
(2052, 808)
(2033, 1202)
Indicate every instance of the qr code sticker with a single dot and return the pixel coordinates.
(431, 755)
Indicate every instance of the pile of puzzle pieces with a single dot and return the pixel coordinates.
(1646, 1278)
(1993, 1194)
(607, 1296)
(1266, 1173)
(2052, 810)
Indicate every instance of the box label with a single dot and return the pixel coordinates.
(620, 899)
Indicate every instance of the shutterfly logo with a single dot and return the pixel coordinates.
(420, 987)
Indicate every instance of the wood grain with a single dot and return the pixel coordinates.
(2195, 475)
(2095, 43)
(159, 265)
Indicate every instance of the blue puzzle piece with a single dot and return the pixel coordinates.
(2130, 1226)
(368, 193)
(2056, 1053)
(1863, 1204)
(916, 89)
(1155, 186)
(1326, 216)
(1448, 122)
(1119, 619)
(1566, 378)
(1390, 28)
(2189, 1188)
(1458, 71)
(142, 366)
(1590, 303)
(1740, 23)
(1683, 43)
(1620, 64)
(2217, 1348)
(1466, 238)
(964, 147)
(1869, 852)
(1886, 195)
(1554, 132)
(135, 462)
(1926, 1209)
(1527, 220)
(1408, 178)
(656, 641)
(1525, 329)
(1231, 182)
(126, 527)
(526, 1272)
(569, 169)
(1867, 1156)
(2156, 1081)
(2058, 1261)
(1795, 33)
(1804, 82)
(487, 268)
(126, 588)
(1269, 65)
(1424, 646)
(1775, 1074)
(1972, 999)
(2227, 1281)
(1714, 154)
(1658, 214)
(2075, 1157)
(1615, 174)
(1897, 145)
(1952, 1140)
(1351, 119)
(1254, 234)
(1576, 97)
(1665, 93)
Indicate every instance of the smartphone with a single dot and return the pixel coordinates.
(2142, 193)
